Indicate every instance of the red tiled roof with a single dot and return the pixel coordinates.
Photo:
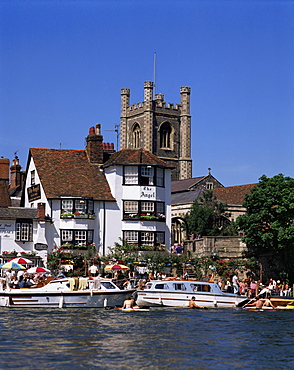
(233, 194)
(67, 172)
(135, 156)
(182, 185)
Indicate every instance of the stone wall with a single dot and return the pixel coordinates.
(223, 246)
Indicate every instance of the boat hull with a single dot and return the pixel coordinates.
(64, 300)
(169, 297)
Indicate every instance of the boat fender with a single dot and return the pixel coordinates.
(215, 303)
(91, 293)
(7, 302)
(105, 302)
(61, 302)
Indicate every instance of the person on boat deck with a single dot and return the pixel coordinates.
(235, 283)
(93, 270)
(128, 303)
(193, 304)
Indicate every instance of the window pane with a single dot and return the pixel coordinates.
(131, 236)
(80, 237)
(159, 176)
(90, 236)
(80, 205)
(67, 206)
(160, 238)
(147, 237)
(147, 206)
(160, 207)
(90, 207)
(147, 175)
(131, 175)
(131, 206)
(66, 236)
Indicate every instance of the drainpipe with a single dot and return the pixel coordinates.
(104, 227)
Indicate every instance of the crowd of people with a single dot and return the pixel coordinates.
(251, 288)
(16, 279)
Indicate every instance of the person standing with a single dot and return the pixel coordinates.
(236, 283)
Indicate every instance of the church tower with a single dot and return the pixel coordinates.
(163, 129)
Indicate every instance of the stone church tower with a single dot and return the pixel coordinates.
(163, 129)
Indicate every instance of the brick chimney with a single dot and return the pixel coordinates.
(94, 146)
(41, 211)
(4, 169)
(15, 174)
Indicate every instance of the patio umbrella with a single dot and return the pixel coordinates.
(21, 260)
(12, 266)
(117, 267)
(34, 270)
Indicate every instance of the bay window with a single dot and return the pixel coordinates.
(144, 238)
(78, 206)
(76, 237)
(143, 175)
(144, 210)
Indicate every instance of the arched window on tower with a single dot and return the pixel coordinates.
(137, 136)
(165, 135)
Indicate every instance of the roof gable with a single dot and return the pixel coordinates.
(193, 183)
(67, 172)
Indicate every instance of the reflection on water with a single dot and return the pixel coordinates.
(157, 339)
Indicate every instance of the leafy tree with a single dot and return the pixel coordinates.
(268, 224)
(208, 216)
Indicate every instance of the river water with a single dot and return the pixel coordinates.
(162, 338)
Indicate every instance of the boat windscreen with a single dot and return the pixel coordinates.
(179, 286)
(201, 287)
(161, 286)
(108, 285)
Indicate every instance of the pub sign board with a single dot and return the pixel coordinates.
(34, 192)
(41, 246)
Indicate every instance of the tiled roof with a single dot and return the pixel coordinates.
(4, 194)
(135, 156)
(233, 194)
(14, 213)
(67, 172)
(182, 185)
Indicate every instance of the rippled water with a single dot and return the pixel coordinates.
(157, 339)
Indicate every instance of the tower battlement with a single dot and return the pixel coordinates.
(162, 128)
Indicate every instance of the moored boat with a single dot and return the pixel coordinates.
(67, 292)
(178, 293)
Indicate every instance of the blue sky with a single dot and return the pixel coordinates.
(63, 64)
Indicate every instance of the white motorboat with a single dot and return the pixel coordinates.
(67, 292)
(178, 293)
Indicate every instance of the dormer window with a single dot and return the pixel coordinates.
(209, 185)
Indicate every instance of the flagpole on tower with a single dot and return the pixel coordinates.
(154, 74)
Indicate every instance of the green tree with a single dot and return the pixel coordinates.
(208, 216)
(268, 224)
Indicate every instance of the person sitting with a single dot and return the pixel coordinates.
(193, 304)
(258, 303)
